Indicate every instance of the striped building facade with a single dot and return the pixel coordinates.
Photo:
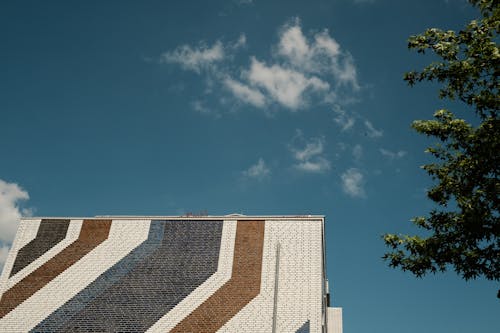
(168, 274)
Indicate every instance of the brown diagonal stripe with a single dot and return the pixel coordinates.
(243, 286)
(93, 233)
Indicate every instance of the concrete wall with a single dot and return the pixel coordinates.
(334, 320)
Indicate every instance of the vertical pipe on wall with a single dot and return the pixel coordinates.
(276, 283)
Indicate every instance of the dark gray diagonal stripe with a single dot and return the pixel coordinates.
(304, 328)
(187, 257)
(50, 232)
(59, 317)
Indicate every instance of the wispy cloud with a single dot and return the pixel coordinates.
(357, 152)
(245, 93)
(391, 154)
(283, 85)
(200, 107)
(4, 251)
(343, 119)
(244, 2)
(353, 183)
(11, 195)
(318, 165)
(347, 120)
(371, 131)
(302, 70)
(240, 42)
(319, 55)
(258, 171)
(195, 58)
(309, 154)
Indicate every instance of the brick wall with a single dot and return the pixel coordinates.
(142, 275)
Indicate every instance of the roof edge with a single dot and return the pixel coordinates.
(184, 217)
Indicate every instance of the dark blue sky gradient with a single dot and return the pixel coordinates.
(92, 123)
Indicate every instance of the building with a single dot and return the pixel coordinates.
(230, 273)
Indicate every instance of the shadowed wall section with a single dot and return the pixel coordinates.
(304, 328)
(187, 256)
(113, 275)
(243, 286)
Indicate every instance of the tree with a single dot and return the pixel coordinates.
(463, 232)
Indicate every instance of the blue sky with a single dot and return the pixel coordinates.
(252, 107)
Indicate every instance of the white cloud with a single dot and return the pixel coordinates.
(200, 107)
(320, 55)
(345, 71)
(392, 155)
(311, 149)
(4, 251)
(245, 93)
(241, 42)
(372, 132)
(300, 71)
(285, 86)
(294, 46)
(357, 152)
(195, 58)
(258, 171)
(344, 120)
(10, 212)
(309, 154)
(352, 183)
(326, 44)
(316, 165)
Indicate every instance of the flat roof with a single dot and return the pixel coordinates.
(188, 216)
